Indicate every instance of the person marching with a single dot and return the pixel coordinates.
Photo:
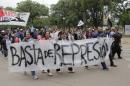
(47, 37)
(63, 36)
(115, 47)
(117, 36)
(28, 38)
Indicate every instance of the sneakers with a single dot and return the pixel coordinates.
(86, 67)
(35, 77)
(119, 57)
(58, 71)
(50, 74)
(44, 71)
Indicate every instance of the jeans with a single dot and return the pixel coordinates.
(104, 66)
(33, 73)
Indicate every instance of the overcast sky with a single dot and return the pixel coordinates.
(13, 3)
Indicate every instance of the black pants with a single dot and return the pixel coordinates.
(0, 47)
(111, 57)
(5, 51)
(118, 51)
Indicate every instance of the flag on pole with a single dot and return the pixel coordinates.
(81, 23)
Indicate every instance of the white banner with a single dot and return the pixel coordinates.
(13, 18)
(49, 54)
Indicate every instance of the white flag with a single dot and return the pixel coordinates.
(81, 23)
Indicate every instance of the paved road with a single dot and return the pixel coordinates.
(119, 76)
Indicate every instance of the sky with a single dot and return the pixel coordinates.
(13, 3)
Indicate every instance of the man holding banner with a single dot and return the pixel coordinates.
(29, 39)
(47, 37)
(63, 37)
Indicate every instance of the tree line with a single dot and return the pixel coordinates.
(67, 13)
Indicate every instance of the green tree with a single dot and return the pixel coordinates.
(10, 8)
(119, 10)
(125, 18)
(90, 11)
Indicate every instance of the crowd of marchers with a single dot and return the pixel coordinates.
(18, 35)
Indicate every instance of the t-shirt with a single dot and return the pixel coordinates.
(17, 40)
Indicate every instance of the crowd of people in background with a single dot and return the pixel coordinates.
(25, 35)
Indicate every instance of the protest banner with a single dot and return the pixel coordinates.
(49, 54)
(8, 17)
